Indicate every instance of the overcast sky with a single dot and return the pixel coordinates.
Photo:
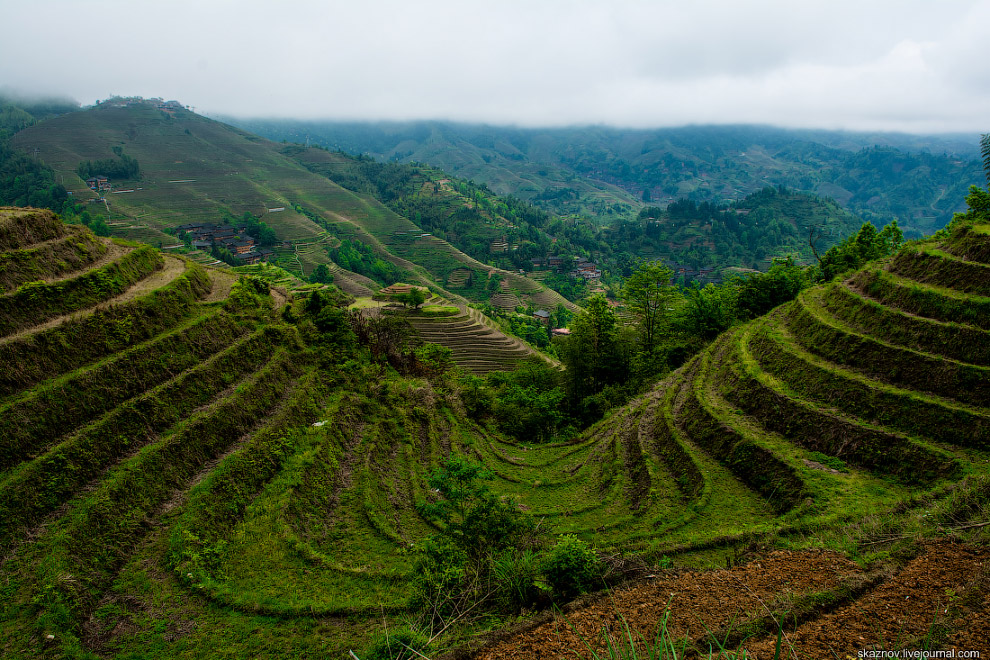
(905, 65)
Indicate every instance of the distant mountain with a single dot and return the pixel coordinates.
(193, 169)
(610, 172)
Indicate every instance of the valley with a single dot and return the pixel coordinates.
(199, 460)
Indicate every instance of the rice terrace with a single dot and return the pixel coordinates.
(376, 446)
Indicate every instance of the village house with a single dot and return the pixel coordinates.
(98, 182)
(243, 246)
(543, 316)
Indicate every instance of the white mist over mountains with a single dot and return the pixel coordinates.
(911, 66)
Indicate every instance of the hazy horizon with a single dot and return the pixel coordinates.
(911, 67)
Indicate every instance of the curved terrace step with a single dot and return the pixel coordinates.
(952, 340)
(77, 249)
(824, 335)
(926, 300)
(924, 263)
(781, 354)
(148, 308)
(35, 303)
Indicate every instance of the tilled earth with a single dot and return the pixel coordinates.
(828, 606)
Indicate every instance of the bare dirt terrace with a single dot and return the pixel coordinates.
(827, 605)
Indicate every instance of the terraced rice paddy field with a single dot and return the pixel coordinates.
(477, 346)
(182, 478)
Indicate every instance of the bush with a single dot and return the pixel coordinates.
(520, 581)
(572, 568)
(438, 584)
(481, 538)
(470, 514)
(397, 644)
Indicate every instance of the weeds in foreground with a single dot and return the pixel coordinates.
(625, 645)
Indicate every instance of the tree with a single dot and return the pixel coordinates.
(708, 311)
(415, 297)
(321, 274)
(469, 513)
(865, 245)
(985, 152)
(760, 293)
(593, 354)
(650, 297)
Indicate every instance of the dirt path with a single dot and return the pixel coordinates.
(223, 282)
(174, 267)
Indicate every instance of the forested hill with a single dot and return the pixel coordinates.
(614, 172)
(773, 222)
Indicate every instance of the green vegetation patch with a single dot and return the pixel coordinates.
(45, 482)
(923, 299)
(99, 534)
(827, 337)
(439, 310)
(20, 228)
(955, 341)
(924, 263)
(55, 408)
(36, 302)
(752, 464)
(53, 258)
(969, 242)
(42, 355)
(880, 403)
(823, 430)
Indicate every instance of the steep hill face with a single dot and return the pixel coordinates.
(193, 169)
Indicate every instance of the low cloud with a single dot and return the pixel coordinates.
(913, 66)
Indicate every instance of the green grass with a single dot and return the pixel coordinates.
(36, 302)
(62, 404)
(54, 258)
(181, 479)
(30, 360)
(828, 337)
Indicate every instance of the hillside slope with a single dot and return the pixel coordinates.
(858, 415)
(605, 171)
(193, 169)
(182, 476)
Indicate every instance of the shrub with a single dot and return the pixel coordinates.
(519, 579)
(439, 573)
(471, 515)
(572, 567)
(829, 461)
(397, 644)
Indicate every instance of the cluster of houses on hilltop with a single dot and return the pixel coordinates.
(127, 101)
(581, 266)
(236, 240)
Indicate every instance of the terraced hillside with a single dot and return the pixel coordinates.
(824, 417)
(194, 169)
(182, 478)
(125, 377)
(477, 345)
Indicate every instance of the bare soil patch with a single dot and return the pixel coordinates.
(939, 596)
